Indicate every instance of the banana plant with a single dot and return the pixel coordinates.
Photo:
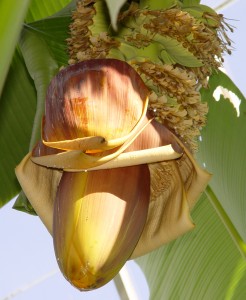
(113, 98)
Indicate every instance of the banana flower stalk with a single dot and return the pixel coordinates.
(108, 181)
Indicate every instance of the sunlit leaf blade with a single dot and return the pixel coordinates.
(54, 31)
(42, 9)
(226, 221)
(17, 109)
(42, 67)
(222, 150)
(39, 59)
(220, 79)
(203, 264)
(12, 14)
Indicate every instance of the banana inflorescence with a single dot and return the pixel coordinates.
(113, 176)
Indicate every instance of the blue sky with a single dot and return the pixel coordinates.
(26, 251)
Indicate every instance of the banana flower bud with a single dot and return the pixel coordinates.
(108, 181)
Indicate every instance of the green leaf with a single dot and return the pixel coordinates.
(226, 221)
(54, 31)
(222, 150)
(42, 9)
(17, 109)
(12, 14)
(22, 204)
(43, 47)
(206, 263)
(157, 4)
(42, 67)
(191, 2)
(114, 8)
(203, 264)
(42, 44)
(220, 79)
